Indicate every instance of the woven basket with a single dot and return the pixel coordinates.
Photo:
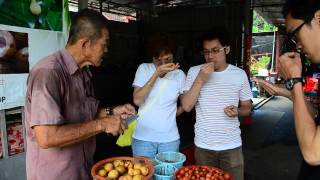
(100, 164)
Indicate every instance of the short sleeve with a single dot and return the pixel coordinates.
(140, 78)
(182, 81)
(45, 98)
(245, 92)
(190, 79)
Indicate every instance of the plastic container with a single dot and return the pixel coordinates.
(175, 159)
(164, 172)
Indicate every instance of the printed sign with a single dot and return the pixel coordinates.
(26, 41)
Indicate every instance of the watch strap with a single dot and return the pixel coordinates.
(297, 80)
(292, 81)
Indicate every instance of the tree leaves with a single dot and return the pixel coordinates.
(17, 13)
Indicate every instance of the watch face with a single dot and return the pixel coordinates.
(289, 84)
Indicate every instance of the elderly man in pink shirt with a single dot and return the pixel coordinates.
(61, 114)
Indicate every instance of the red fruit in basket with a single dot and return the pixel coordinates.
(208, 175)
(226, 176)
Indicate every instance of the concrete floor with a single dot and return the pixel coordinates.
(269, 144)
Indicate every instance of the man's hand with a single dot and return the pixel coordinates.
(126, 109)
(101, 113)
(273, 89)
(231, 111)
(113, 124)
(165, 68)
(290, 65)
(206, 70)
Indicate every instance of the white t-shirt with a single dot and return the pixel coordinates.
(158, 122)
(214, 130)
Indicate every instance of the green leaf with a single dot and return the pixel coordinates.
(261, 25)
(54, 20)
(17, 13)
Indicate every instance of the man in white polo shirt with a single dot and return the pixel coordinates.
(220, 93)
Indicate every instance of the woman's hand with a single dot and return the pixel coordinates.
(165, 68)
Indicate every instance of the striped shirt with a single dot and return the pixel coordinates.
(214, 130)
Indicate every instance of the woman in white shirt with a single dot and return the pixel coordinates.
(157, 87)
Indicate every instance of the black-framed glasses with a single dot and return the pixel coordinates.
(207, 52)
(293, 35)
(290, 44)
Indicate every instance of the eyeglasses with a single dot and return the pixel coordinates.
(213, 51)
(290, 44)
(293, 35)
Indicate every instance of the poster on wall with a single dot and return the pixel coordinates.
(26, 40)
(14, 55)
(35, 14)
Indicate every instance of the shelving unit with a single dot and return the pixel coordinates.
(12, 158)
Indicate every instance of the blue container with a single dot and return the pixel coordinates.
(175, 159)
(164, 172)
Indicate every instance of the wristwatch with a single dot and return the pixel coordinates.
(291, 82)
(109, 110)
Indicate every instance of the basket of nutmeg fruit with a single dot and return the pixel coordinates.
(123, 168)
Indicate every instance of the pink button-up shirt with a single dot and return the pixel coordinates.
(59, 92)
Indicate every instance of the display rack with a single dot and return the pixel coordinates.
(12, 134)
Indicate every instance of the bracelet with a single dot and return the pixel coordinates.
(109, 110)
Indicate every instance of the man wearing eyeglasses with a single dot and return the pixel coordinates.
(303, 27)
(215, 89)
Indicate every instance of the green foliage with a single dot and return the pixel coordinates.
(18, 13)
(260, 25)
(261, 63)
(264, 61)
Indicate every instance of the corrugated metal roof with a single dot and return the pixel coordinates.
(269, 9)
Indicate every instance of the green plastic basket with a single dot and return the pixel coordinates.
(164, 172)
(175, 159)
